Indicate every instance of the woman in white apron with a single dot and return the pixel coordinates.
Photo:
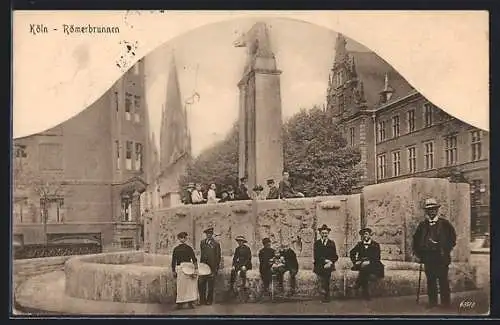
(185, 270)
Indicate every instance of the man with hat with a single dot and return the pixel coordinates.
(210, 255)
(187, 194)
(185, 270)
(433, 242)
(266, 255)
(325, 256)
(291, 265)
(274, 192)
(243, 190)
(242, 262)
(365, 257)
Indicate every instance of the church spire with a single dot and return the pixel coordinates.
(340, 49)
(387, 92)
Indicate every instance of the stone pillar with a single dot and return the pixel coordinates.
(261, 150)
(136, 215)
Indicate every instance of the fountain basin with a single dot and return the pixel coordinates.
(135, 277)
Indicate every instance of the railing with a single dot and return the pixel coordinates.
(61, 249)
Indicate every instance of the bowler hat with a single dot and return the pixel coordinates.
(209, 230)
(431, 203)
(241, 238)
(190, 185)
(270, 181)
(324, 227)
(266, 241)
(368, 230)
(182, 234)
(258, 188)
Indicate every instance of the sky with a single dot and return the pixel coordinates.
(208, 63)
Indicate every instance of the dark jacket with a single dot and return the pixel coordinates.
(291, 262)
(243, 192)
(371, 253)
(210, 254)
(182, 253)
(266, 255)
(187, 197)
(322, 253)
(274, 193)
(242, 257)
(440, 252)
(286, 190)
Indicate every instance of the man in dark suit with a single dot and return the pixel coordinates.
(325, 256)
(243, 190)
(210, 255)
(274, 192)
(266, 255)
(365, 257)
(433, 242)
(291, 265)
(242, 262)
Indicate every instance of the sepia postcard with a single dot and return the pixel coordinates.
(250, 163)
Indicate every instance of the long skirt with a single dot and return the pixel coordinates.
(187, 287)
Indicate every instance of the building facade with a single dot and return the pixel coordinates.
(401, 134)
(83, 179)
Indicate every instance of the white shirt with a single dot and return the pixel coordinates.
(196, 196)
(211, 198)
(433, 221)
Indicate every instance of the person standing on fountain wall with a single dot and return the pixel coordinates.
(274, 192)
(243, 190)
(185, 270)
(325, 256)
(210, 255)
(242, 262)
(433, 242)
(286, 190)
(365, 257)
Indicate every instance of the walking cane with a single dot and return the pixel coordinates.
(419, 281)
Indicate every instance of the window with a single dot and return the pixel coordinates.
(137, 108)
(412, 160)
(429, 155)
(116, 102)
(381, 131)
(128, 106)
(427, 114)
(138, 156)
(51, 209)
(477, 190)
(396, 163)
(450, 150)
(352, 136)
(126, 209)
(476, 145)
(118, 161)
(411, 120)
(128, 155)
(341, 103)
(381, 167)
(126, 242)
(20, 207)
(20, 151)
(395, 126)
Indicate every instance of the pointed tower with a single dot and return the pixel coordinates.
(387, 92)
(174, 148)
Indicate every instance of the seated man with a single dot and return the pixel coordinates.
(266, 255)
(242, 262)
(289, 264)
(366, 259)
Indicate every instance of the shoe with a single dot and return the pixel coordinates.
(208, 303)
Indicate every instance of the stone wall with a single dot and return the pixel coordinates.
(392, 210)
(294, 221)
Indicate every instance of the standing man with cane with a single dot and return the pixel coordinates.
(210, 255)
(433, 242)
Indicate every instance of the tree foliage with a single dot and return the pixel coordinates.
(315, 153)
(217, 164)
(317, 156)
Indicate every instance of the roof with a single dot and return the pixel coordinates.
(371, 70)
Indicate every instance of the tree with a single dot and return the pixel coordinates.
(217, 164)
(317, 156)
(46, 187)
